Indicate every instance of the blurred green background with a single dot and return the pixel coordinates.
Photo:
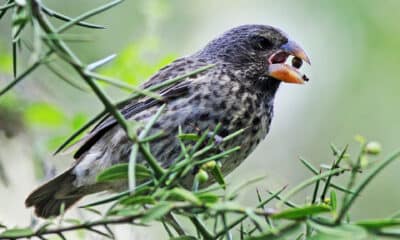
(354, 47)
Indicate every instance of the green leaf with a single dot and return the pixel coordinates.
(207, 197)
(72, 221)
(127, 211)
(303, 212)
(142, 172)
(217, 173)
(277, 233)
(62, 17)
(189, 136)
(115, 172)
(95, 211)
(343, 232)
(233, 135)
(19, 19)
(80, 18)
(44, 226)
(333, 200)
(15, 232)
(183, 194)
(143, 187)
(184, 238)
(120, 171)
(129, 200)
(157, 212)
(131, 167)
(378, 223)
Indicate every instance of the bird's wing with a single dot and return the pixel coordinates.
(133, 107)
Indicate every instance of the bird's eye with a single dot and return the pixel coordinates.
(262, 43)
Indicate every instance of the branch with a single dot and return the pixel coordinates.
(88, 226)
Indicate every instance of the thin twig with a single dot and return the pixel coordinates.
(88, 225)
(379, 167)
(62, 17)
(77, 64)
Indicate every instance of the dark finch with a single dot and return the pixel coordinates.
(237, 92)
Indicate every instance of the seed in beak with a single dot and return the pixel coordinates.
(297, 62)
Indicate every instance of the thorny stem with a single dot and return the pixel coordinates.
(202, 229)
(78, 66)
(25, 73)
(309, 182)
(131, 98)
(335, 164)
(89, 226)
(379, 167)
(241, 219)
(130, 220)
(174, 223)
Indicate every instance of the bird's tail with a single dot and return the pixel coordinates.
(48, 198)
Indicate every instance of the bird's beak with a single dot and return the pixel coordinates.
(284, 72)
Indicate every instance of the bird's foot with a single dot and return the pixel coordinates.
(216, 139)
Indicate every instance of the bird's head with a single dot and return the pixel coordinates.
(258, 51)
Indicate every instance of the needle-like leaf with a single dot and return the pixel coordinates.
(62, 17)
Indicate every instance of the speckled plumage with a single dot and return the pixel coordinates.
(235, 92)
(211, 97)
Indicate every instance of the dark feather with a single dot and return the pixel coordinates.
(48, 198)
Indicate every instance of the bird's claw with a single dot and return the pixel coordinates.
(217, 139)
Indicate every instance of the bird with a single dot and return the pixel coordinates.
(249, 63)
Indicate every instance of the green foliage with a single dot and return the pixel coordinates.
(302, 212)
(120, 172)
(158, 211)
(374, 224)
(217, 173)
(344, 231)
(161, 197)
(15, 232)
